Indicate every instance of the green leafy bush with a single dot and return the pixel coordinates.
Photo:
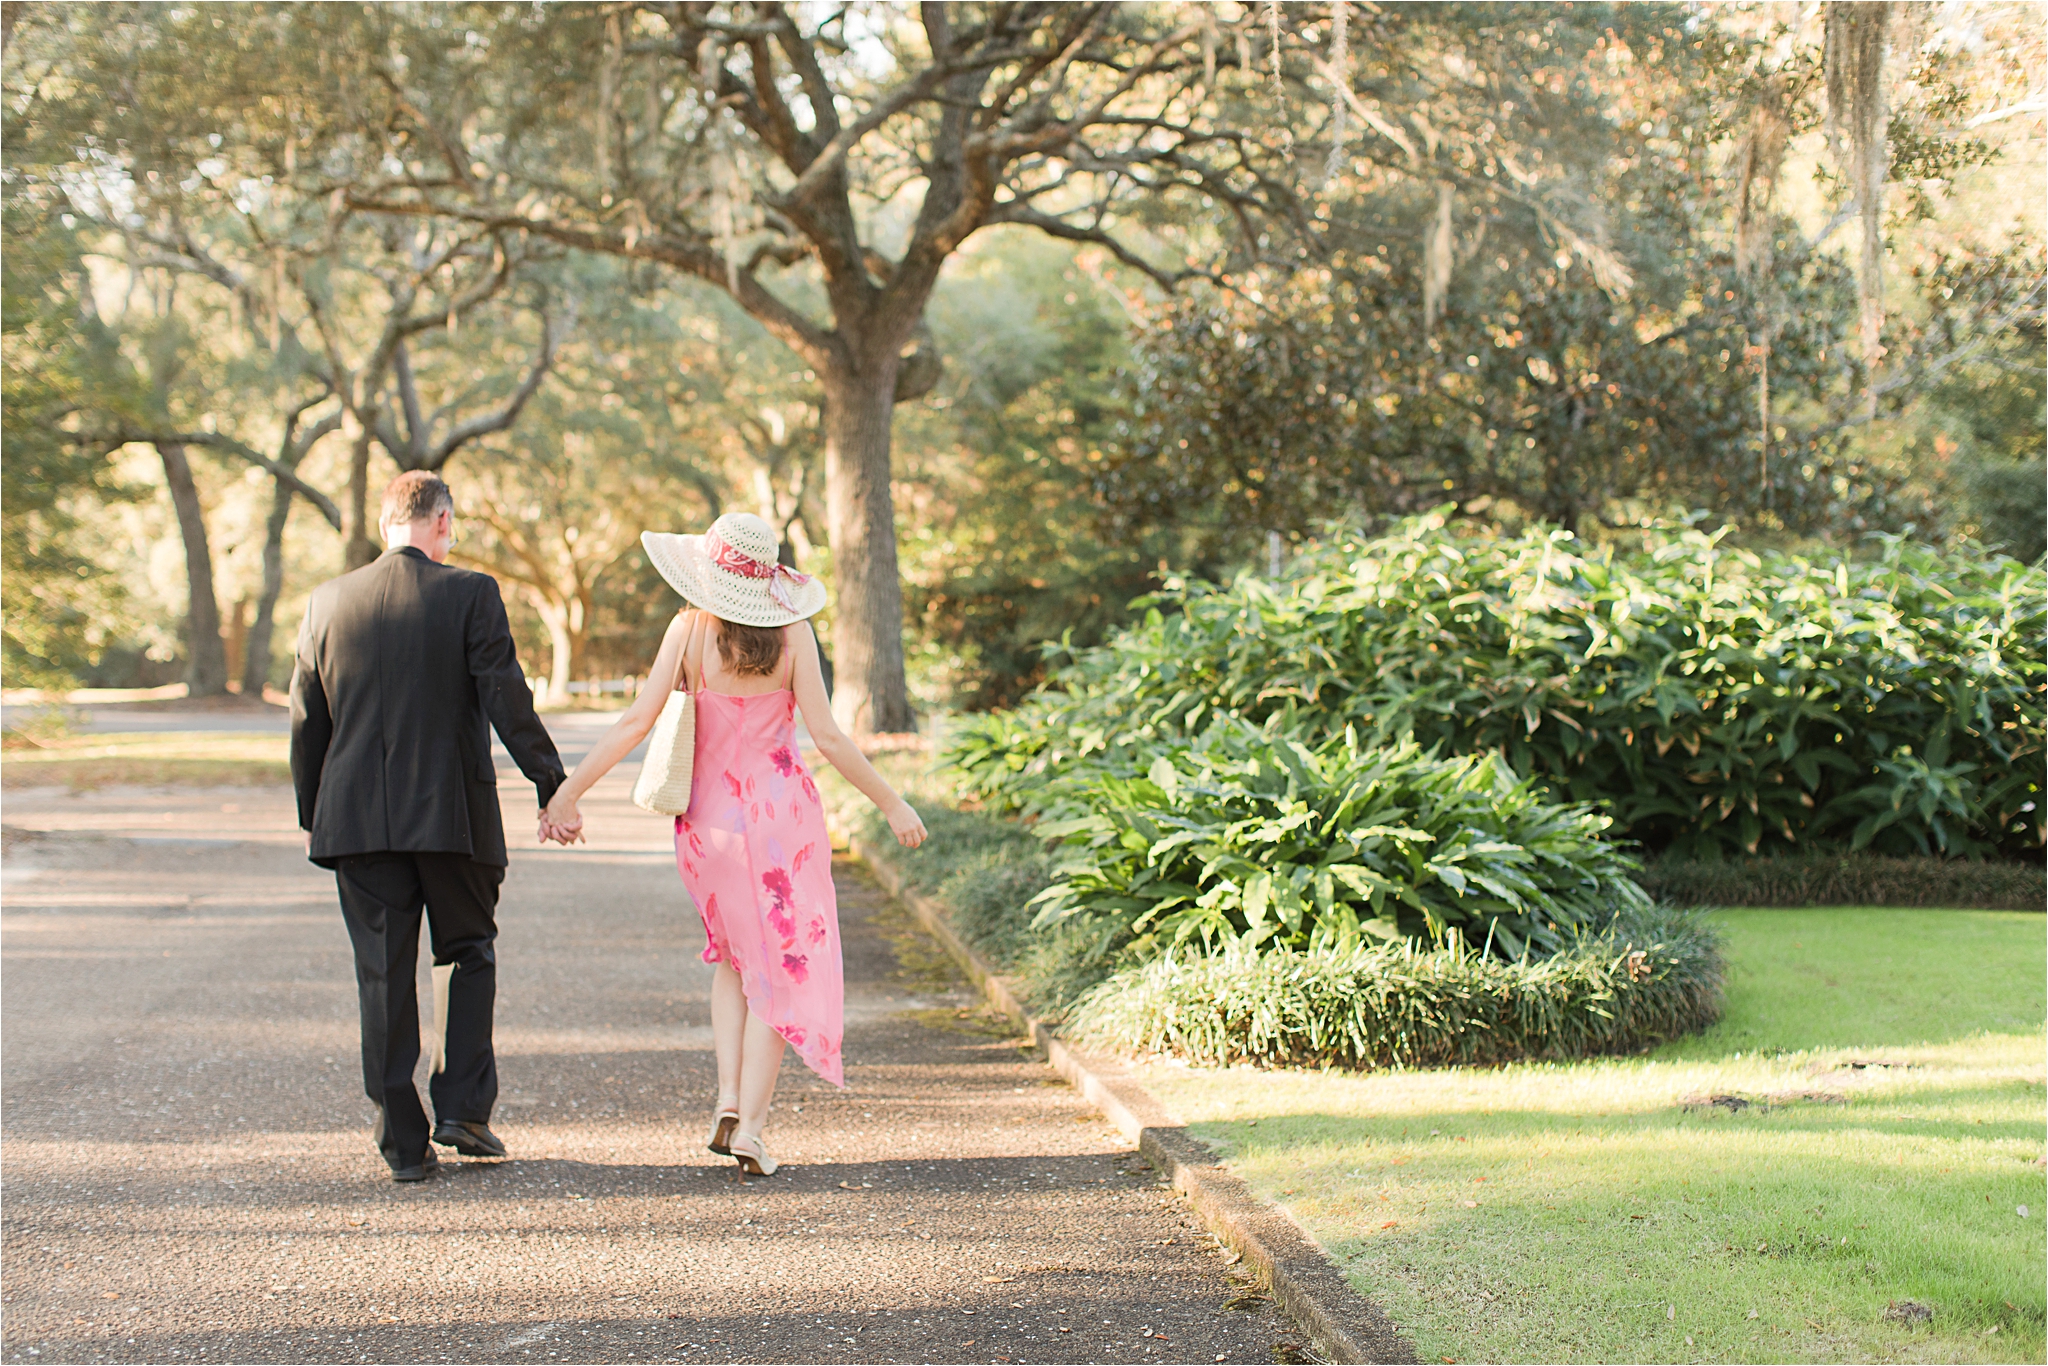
(1647, 974)
(985, 871)
(1243, 837)
(1651, 976)
(1715, 700)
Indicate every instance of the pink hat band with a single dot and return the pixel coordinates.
(781, 578)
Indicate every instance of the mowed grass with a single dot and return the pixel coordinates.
(1879, 1138)
(81, 762)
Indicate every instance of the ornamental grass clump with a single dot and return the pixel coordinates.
(1242, 836)
(1649, 976)
(1716, 701)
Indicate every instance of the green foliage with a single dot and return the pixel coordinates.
(1863, 879)
(1246, 837)
(1985, 421)
(1649, 977)
(1716, 700)
(985, 871)
(1539, 394)
(60, 365)
(1001, 547)
(1579, 365)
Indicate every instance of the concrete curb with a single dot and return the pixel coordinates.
(1340, 1323)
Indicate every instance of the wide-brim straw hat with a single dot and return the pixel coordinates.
(731, 572)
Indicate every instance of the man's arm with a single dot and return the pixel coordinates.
(312, 723)
(501, 687)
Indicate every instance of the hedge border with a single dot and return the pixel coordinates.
(1860, 879)
(1654, 976)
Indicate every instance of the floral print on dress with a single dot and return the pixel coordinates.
(752, 850)
(715, 950)
(780, 917)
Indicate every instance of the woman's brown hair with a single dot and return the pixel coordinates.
(750, 650)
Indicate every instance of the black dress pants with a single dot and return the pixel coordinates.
(381, 898)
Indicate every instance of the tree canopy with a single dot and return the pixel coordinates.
(633, 264)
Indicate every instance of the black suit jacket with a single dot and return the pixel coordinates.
(400, 664)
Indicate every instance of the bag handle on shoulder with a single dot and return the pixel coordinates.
(692, 643)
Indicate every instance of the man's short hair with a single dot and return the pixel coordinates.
(414, 496)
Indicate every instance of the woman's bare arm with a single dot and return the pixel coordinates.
(629, 730)
(808, 682)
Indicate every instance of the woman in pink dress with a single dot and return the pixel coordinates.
(752, 846)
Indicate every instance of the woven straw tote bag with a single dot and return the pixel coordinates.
(663, 786)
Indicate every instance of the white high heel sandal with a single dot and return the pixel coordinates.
(752, 1154)
(722, 1127)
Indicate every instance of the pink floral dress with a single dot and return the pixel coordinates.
(755, 858)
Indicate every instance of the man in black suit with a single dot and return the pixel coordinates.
(400, 666)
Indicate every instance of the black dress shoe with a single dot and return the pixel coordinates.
(469, 1138)
(428, 1165)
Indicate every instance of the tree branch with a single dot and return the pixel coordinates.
(787, 325)
(220, 441)
(466, 432)
(1013, 211)
(408, 396)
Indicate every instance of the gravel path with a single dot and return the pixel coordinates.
(189, 1175)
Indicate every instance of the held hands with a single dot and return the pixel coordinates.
(560, 821)
(905, 824)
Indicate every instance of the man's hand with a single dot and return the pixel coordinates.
(560, 821)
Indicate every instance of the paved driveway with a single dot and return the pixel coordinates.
(189, 1176)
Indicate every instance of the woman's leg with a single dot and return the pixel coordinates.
(761, 1064)
(728, 1031)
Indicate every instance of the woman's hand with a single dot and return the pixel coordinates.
(906, 826)
(560, 821)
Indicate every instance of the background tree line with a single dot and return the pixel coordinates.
(999, 311)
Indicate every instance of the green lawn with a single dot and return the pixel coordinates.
(1880, 1130)
(147, 759)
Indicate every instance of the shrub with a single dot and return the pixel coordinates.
(960, 841)
(1649, 977)
(985, 871)
(1241, 836)
(1863, 879)
(1716, 700)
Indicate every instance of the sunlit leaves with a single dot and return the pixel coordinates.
(1245, 836)
(1715, 700)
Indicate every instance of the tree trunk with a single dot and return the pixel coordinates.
(208, 676)
(565, 644)
(870, 694)
(359, 548)
(256, 663)
(234, 633)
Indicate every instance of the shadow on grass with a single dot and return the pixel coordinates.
(1780, 1232)
(1932, 1113)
